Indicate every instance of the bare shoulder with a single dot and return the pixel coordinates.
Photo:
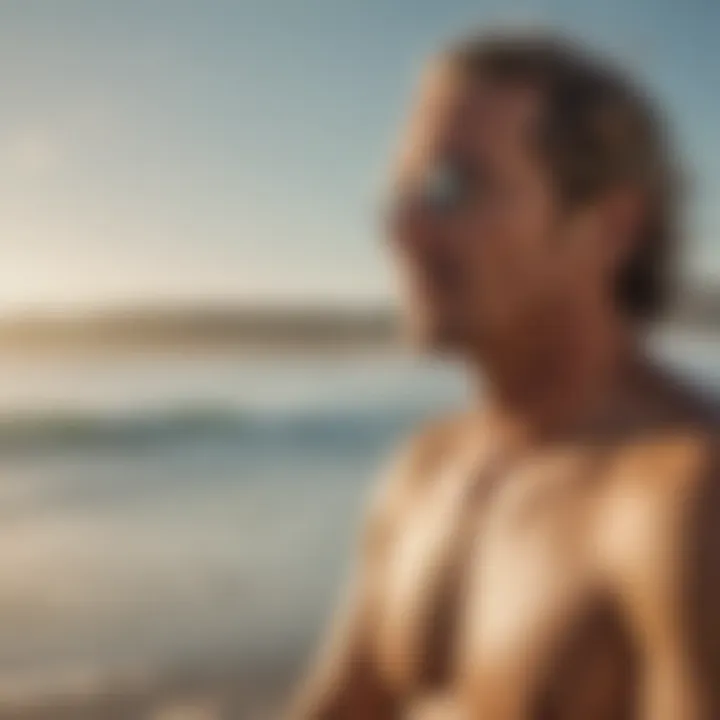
(425, 449)
(659, 520)
(668, 462)
(419, 455)
(674, 450)
(415, 461)
(663, 483)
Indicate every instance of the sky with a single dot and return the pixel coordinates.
(169, 151)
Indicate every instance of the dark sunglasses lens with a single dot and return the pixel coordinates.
(443, 189)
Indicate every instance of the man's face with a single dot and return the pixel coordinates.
(475, 225)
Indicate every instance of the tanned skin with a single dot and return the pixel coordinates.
(555, 553)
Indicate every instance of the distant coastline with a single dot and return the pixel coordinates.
(267, 328)
(217, 327)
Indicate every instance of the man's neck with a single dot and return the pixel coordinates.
(560, 380)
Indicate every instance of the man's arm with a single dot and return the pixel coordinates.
(344, 683)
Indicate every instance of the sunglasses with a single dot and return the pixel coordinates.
(444, 189)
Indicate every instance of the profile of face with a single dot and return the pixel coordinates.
(484, 248)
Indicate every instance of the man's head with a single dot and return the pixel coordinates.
(533, 180)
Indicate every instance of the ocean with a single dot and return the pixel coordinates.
(166, 510)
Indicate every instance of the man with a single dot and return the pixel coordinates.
(553, 553)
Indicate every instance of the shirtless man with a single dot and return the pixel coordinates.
(553, 554)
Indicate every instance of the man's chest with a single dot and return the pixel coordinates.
(491, 587)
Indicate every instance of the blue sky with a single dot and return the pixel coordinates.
(168, 150)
